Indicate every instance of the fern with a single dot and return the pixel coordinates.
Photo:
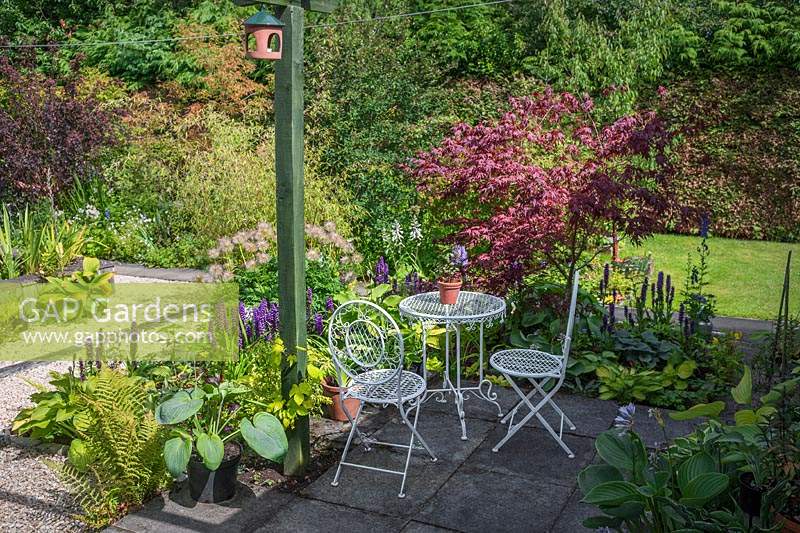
(117, 461)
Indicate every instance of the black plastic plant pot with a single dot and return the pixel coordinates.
(207, 486)
(749, 494)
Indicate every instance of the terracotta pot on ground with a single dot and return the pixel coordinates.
(448, 291)
(214, 486)
(335, 411)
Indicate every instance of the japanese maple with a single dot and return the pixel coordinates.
(545, 185)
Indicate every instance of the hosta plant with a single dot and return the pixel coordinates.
(202, 420)
(656, 492)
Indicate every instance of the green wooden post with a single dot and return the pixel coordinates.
(290, 212)
(291, 221)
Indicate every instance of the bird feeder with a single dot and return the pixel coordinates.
(268, 34)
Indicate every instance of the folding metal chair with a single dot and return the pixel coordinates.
(367, 350)
(539, 368)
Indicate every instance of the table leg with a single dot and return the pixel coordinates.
(458, 394)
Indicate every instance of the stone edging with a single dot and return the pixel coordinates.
(166, 274)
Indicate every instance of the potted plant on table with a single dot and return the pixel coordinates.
(205, 440)
(452, 280)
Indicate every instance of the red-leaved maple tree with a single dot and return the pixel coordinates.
(545, 185)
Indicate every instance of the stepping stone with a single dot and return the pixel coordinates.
(377, 491)
(441, 431)
(312, 516)
(533, 454)
(476, 500)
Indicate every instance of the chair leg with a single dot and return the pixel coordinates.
(353, 430)
(534, 411)
(555, 407)
(512, 412)
(416, 433)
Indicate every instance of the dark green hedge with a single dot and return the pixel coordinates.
(739, 159)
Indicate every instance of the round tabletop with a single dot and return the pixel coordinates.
(470, 308)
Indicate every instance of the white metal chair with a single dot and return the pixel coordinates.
(367, 350)
(539, 368)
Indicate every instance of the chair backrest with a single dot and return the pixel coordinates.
(363, 337)
(573, 304)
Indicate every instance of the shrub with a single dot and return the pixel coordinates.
(738, 159)
(545, 185)
(49, 135)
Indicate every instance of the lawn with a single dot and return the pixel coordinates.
(746, 276)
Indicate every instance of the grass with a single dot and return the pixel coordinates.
(746, 276)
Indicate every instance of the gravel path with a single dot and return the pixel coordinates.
(31, 496)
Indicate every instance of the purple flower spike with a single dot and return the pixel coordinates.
(309, 297)
(381, 271)
(329, 305)
(319, 325)
(459, 258)
(704, 223)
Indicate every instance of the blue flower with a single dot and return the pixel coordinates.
(624, 418)
(459, 258)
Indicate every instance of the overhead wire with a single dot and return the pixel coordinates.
(126, 42)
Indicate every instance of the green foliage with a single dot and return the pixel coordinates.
(115, 462)
(259, 368)
(322, 277)
(581, 53)
(83, 288)
(662, 492)
(55, 413)
(473, 42)
(200, 419)
(33, 244)
(738, 159)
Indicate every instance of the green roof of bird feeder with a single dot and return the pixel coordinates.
(262, 18)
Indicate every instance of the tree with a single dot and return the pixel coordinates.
(545, 185)
(49, 134)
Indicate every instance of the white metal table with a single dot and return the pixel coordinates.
(472, 310)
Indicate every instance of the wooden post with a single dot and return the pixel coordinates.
(290, 215)
(290, 212)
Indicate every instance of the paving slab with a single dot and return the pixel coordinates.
(473, 407)
(574, 513)
(176, 512)
(590, 415)
(534, 454)
(312, 516)
(419, 527)
(377, 491)
(441, 431)
(478, 500)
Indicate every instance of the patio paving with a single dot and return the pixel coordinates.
(529, 486)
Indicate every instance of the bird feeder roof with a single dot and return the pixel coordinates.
(262, 18)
